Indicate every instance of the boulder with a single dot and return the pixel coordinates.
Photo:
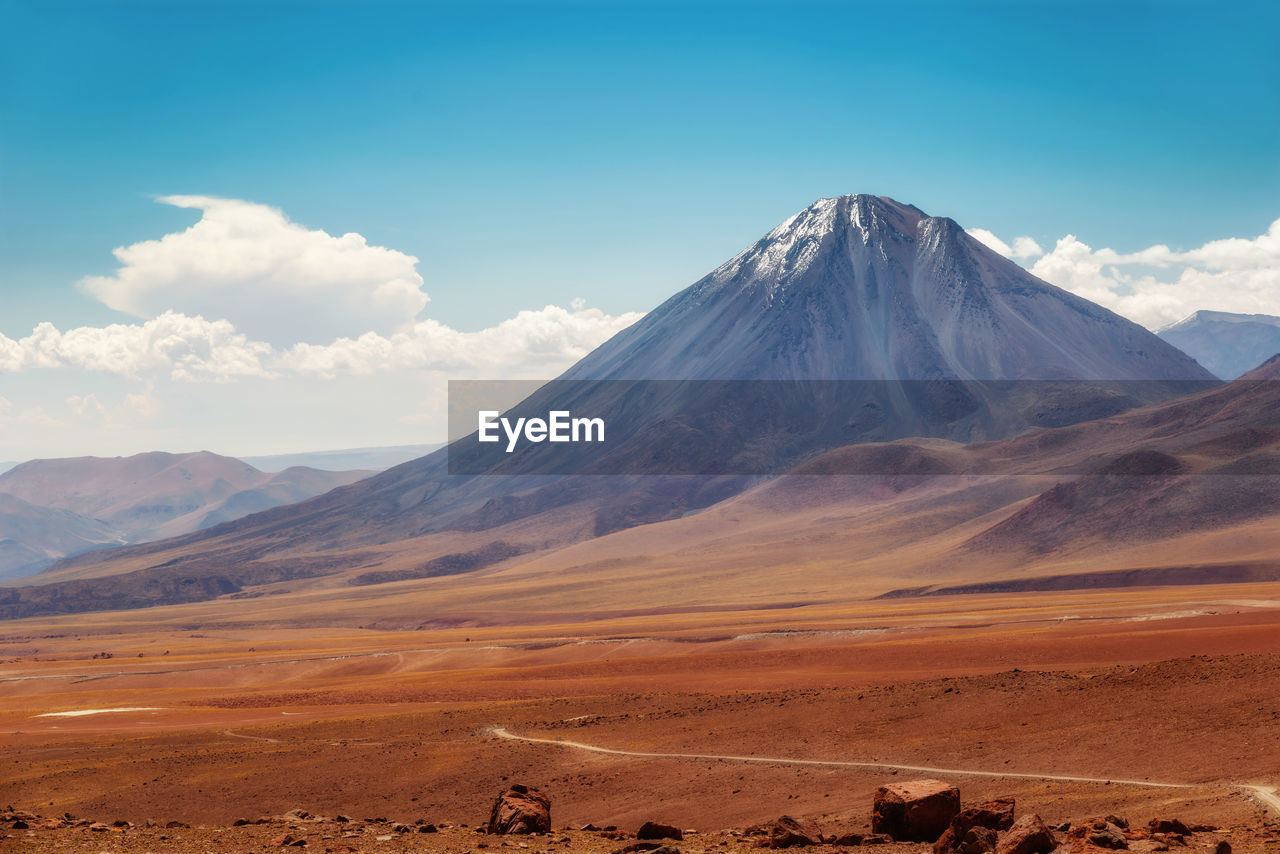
(658, 830)
(1104, 834)
(520, 809)
(1148, 846)
(788, 832)
(993, 815)
(1168, 825)
(1027, 835)
(977, 840)
(915, 811)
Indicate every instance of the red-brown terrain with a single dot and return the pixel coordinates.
(1154, 685)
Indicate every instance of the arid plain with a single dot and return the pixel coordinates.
(253, 714)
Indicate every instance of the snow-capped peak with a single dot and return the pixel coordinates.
(788, 250)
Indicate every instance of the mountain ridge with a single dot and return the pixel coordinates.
(1226, 343)
(146, 496)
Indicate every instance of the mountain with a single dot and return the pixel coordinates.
(860, 291)
(135, 499)
(1225, 343)
(865, 288)
(33, 537)
(348, 459)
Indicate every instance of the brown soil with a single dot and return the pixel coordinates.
(1170, 685)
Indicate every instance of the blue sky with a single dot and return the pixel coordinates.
(535, 152)
(530, 154)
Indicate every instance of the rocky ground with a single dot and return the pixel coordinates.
(27, 831)
(1156, 716)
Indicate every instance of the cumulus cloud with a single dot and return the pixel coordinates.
(86, 406)
(531, 344)
(174, 345)
(275, 280)
(1022, 247)
(1158, 285)
(177, 347)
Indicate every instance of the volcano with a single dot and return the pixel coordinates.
(865, 288)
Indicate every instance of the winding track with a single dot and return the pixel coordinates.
(1265, 795)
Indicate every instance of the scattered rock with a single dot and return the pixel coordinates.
(1148, 845)
(1027, 835)
(850, 838)
(20, 824)
(993, 815)
(99, 827)
(658, 830)
(977, 840)
(1168, 825)
(288, 840)
(1223, 847)
(638, 846)
(915, 811)
(1104, 834)
(428, 828)
(876, 839)
(1118, 820)
(788, 832)
(520, 809)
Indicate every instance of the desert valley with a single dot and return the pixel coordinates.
(1022, 546)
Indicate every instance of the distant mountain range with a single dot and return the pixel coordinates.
(1226, 344)
(54, 508)
(349, 459)
(855, 288)
(32, 537)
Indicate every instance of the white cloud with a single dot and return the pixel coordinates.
(1026, 247)
(143, 405)
(249, 319)
(173, 346)
(531, 344)
(87, 406)
(1158, 285)
(275, 280)
(180, 347)
(1022, 248)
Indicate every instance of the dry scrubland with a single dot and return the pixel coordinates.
(243, 719)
